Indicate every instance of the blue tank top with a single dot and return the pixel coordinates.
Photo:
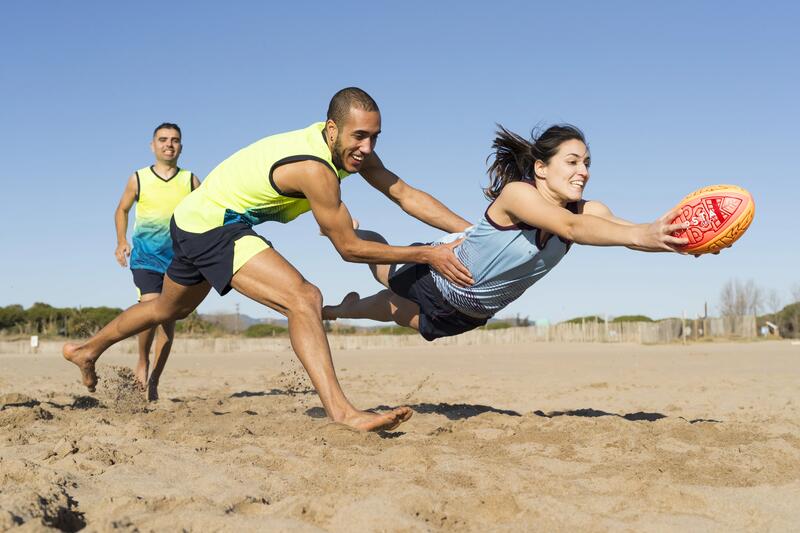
(503, 260)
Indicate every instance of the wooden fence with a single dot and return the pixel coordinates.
(665, 331)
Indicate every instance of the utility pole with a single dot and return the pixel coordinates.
(237, 318)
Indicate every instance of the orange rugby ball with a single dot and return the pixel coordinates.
(718, 215)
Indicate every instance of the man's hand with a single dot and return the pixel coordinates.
(122, 252)
(442, 259)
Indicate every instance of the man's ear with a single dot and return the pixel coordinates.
(331, 132)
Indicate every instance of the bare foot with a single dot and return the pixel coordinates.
(369, 421)
(72, 352)
(141, 374)
(332, 312)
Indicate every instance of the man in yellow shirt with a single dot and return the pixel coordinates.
(156, 190)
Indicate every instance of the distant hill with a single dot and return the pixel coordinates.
(233, 322)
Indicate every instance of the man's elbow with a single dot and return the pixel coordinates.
(347, 251)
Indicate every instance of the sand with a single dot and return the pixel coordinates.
(549, 437)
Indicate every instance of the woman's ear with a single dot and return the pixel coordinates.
(540, 169)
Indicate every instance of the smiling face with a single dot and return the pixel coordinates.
(564, 177)
(166, 145)
(353, 140)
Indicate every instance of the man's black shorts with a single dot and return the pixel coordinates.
(147, 281)
(211, 255)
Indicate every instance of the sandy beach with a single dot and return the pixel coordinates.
(549, 437)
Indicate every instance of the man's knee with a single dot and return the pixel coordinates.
(306, 297)
(171, 311)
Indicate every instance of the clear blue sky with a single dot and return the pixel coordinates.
(672, 96)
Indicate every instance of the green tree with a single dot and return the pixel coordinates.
(11, 316)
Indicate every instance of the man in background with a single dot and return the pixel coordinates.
(156, 190)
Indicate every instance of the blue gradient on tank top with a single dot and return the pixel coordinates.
(152, 246)
(503, 263)
(279, 213)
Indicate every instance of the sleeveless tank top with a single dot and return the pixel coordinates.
(156, 200)
(504, 262)
(241, 188)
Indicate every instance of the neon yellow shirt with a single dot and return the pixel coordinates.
(241, 189)
(155, 203)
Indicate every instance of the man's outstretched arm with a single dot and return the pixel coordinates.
(415, 202)
(321, 188)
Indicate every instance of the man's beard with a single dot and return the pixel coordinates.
(336, 155)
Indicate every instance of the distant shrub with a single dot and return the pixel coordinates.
(789, 321)
(633, 318)
(195, 325)
(264, 330)
(578, 320)
(497, 325)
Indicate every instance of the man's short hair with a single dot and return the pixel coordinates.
(346, 99)
(167, 125)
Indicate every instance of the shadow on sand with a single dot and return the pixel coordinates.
(634, 417)
(272, 392)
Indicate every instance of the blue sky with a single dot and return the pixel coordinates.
(672, 96)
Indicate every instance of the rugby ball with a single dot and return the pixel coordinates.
(718, 215)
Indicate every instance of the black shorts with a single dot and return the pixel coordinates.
(147, 281)
(437, 318)
(208, 256)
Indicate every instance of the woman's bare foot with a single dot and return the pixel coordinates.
(84, 361)
(369, 421)
(332, 312)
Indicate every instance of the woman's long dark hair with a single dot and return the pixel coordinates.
(514, 156)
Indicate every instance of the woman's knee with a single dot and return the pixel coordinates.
(367, 235)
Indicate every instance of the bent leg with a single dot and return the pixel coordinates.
(380, 272)
(384, 306)
(165, 336)
(271, 280)
(175, 301)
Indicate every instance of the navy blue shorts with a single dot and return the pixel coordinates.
(437, 318)
(208, 256)
(147, 281)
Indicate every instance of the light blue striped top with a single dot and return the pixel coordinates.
(503, 260)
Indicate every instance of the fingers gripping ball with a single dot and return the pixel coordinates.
(718, 215)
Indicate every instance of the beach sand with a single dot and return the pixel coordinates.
(549, 437)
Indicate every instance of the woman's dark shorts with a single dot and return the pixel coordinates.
(437, 318)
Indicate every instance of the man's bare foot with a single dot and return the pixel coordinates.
(84, 361)
(369, 421)
(332, 312)
(141, 374)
